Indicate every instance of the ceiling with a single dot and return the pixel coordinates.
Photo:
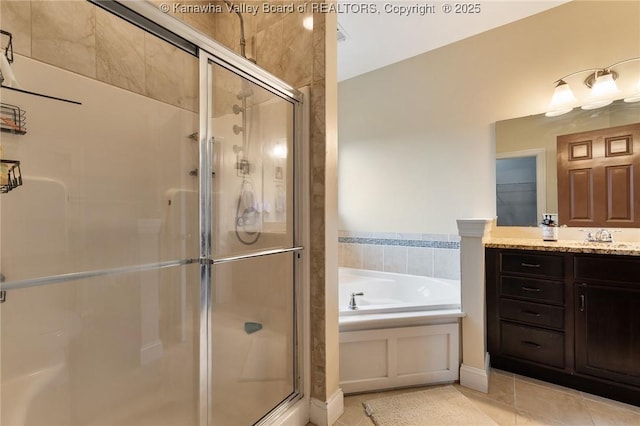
(374, 40)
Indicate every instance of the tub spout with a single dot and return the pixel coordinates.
(352, 302)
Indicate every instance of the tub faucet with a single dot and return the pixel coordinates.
(352, 301)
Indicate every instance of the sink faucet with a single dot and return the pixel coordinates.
(352, 301)
(600, 236)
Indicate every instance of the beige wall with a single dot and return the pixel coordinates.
(421, 132)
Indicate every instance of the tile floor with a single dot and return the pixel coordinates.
(518, 400)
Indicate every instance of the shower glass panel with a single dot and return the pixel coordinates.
(119, 349)
(254, 273)
(252, 132)
(101, 178)
(253, 335)
(100, 324)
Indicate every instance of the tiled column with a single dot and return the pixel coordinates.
(474, 372)
(326, 396)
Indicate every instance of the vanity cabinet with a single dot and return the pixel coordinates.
(607, 318)
(567, 318)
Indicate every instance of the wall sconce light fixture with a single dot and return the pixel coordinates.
(603, 90)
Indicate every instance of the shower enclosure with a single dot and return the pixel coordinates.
(152, 257)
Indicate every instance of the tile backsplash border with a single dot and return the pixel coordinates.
(432, 255)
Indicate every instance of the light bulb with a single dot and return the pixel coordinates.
(603, 91)
(604, 86)
(562, 100)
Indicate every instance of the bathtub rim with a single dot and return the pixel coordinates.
(398, 319)
(396, 308)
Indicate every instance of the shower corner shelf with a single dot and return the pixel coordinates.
(11, 177)
(12, 119)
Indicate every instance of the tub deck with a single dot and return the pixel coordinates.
(413, 339)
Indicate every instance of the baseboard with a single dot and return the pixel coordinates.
(326, 413)
(297, 415)
(476, 378)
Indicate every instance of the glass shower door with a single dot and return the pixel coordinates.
(253, 249)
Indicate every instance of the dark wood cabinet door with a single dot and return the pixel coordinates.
(599, 177)
(607, 322)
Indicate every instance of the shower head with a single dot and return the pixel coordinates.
(237, 109)
(243, 40)
(237, 129)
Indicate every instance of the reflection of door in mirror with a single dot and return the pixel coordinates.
(599, 177)
(520, 188)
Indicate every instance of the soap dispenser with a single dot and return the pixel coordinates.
(549, 228)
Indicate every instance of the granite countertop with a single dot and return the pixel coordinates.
(572, 246)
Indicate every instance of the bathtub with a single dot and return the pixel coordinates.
(404, 332)
(386, 292)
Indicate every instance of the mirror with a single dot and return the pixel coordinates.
(538, 132)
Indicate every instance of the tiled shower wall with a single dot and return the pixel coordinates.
(431, 255)
(101, 46)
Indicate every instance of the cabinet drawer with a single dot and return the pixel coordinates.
(544, 265)
(532, 313)
(530, 289)
(533, 344)
(621, 269)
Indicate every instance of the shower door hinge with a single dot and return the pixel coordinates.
(3, 296)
